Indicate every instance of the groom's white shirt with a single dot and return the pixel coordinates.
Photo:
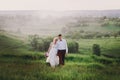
(62, 45)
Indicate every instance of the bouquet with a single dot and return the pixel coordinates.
(46, 54)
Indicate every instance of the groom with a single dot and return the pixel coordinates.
(62, 49)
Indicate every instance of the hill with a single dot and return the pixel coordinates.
(46, 22)
(17, 62)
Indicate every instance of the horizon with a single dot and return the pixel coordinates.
(63, 10)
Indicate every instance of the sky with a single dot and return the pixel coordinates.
(59, 5)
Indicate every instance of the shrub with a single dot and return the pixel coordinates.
(98, 35)
(73, 47)
(96, 49)
(88, 36)
(47, 42)
(42, 44)
(33, 39)
(39, 44)
(105, 24)
(107, 35)
(117, 24)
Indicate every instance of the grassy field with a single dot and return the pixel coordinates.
(109, 46)
(18, 63)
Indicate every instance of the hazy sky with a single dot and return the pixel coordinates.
(59, 4)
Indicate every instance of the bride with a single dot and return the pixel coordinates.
(52, 58)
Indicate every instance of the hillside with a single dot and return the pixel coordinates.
(19, 63)
(9, 46)
(47, 22)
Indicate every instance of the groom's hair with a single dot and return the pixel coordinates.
(60, 35)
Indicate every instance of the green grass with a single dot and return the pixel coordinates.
(73, 70)
(97, 28)
(109, 46)
(111, 28)
(18, 63)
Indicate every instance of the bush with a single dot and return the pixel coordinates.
(47, 42)
(42, 44)
(96, 49)
(99, 35)
(117, 24)
(73, 47)
(33, 39)
(105, 24)
(107, 35)
(39, 44)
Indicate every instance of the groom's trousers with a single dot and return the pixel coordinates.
(61, 54)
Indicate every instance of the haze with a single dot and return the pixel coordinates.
(47, 17)
(59, 4)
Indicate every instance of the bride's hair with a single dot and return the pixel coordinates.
(55, 40)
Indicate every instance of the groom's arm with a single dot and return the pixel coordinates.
(66, 47)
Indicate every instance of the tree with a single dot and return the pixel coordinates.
(33, 39)
(39, 44)
(96, 49)
(107, 35)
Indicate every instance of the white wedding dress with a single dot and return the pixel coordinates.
(52, 58)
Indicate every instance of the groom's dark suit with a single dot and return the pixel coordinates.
(62, 50)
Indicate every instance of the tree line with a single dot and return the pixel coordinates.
(37, 43)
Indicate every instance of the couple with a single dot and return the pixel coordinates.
(56, 52)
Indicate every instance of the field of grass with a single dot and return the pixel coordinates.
(18, 63)
(109, 46)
